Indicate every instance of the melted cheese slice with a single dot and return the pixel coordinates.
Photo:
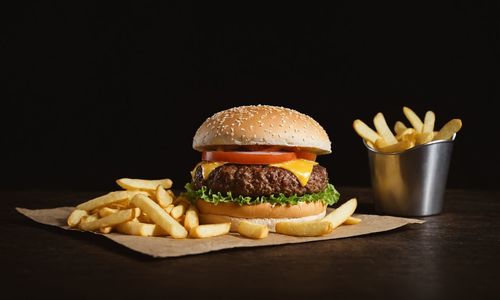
(206, 168)
(301, 168)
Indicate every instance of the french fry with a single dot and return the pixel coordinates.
(209, 230)
(381, 143)
(429, 120)
(448, 130)
(159, 216)
(88, 219)
(399, 127)
(383, 130)
(253, 231)
(169, 208)
(407, 134)
(398, 147)
(181, 200)
(191, 219)
(105, 200)
(172, 194)
(310, 228)
(424, 138)
(365, 131)
(75, 217)
(162, 197)
(415, 121)
(111, 220)
(178, 211)
(342, 213)
(352, 221)
(144, 218)
(106, 211)
(406, 138)
(119, 205)
(143, 184)
(140, 229)
(105, 229)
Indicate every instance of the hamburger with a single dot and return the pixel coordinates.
(258, 164)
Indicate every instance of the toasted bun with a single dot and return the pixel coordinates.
(262, 125)
(263, 210)
(269, 222)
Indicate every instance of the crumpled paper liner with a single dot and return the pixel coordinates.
(169, 247)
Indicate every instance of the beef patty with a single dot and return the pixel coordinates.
(260, 180)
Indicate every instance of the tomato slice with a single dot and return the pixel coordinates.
(255, 157)
(248, 158)
(306, 155)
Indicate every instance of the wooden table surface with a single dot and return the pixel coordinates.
(455, 254)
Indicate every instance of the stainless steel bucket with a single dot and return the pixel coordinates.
(411, 183)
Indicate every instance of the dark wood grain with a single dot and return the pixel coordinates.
(455, 254)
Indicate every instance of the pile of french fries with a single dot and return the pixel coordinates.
(405, 138)
(150, 208)
(143, 208)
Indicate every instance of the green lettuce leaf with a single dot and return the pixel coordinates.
(328, 196)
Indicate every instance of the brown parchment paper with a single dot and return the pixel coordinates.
(168, 247)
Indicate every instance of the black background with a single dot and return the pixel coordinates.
(94, 92)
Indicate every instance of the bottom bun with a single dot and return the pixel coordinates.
(269, 222)
(262, 210)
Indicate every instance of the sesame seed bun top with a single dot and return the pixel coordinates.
(262, 125)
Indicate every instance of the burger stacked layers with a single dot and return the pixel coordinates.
(258, 164)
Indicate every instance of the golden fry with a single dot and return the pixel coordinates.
(342, 213)
(169, 208)
(311, 228)
(162, 197)
(178, 211)
(159, 216)
(399, 127)
(111, 220)
(383, 130)
(105, 200)
(352, 221)
(106, 211)
(448, 130)
(105, 229)
(143, 184)
(140, 229)
(415, 121)
(75, 217)
(209, 230)
(424, 138)
(429, 120)
(398, 147)
(191, 220)
(365, 131)
(253, 231)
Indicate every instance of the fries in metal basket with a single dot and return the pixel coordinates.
(421, 133)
